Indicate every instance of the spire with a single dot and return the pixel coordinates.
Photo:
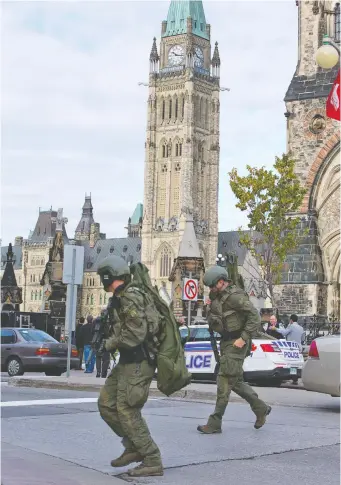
(177, 19)
(189, 247)
(216, 62)
(11, 296)
(154, 56)
(87, 219)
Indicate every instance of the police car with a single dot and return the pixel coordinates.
(271, 361)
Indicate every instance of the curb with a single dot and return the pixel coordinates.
(183, 395)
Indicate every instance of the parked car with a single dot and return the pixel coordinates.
(321, 371)
(271, 361)
(31, 350)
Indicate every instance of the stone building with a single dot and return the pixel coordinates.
(311, 277)
(182, 141)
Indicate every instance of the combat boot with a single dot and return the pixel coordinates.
(261, 419)
(206, 429)
(150, 467)
(145, 470)
(127, 457)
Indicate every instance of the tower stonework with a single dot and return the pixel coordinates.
(311, 276)
(182, 143)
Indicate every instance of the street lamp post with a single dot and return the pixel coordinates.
(220, 260)
(327, 56)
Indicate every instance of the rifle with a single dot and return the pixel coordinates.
(215, 350)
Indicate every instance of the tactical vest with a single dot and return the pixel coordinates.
(223, 318)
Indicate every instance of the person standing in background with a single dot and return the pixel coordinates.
(86, 335)
(79, 341)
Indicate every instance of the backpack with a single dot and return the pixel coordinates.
(163, 336)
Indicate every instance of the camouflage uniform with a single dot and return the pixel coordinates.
(126, 389)
(233, 316)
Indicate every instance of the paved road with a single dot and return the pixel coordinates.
(61, 440)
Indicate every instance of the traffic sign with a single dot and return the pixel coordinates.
(190, 289)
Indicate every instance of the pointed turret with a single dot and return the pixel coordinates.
(11, 294)
(178, 22)
(216, 62)
(154, 58)
(189, 247)
(84, 226)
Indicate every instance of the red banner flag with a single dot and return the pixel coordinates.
(333, 101)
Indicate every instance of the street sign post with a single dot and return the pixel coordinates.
(190, 293)
(72, 276)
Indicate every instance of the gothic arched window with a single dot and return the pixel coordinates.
(176, 108)
(337, 23)
(206, 115)
(31, 278)
(178, 149)
(170, 109)
(163, 109)
(31, 295)
(36, 295)
(165, 262)
(91, 299)
(40, 295)
(87, 299)
(183, 108)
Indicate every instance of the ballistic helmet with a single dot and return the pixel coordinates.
(214, 274)
(113, 268)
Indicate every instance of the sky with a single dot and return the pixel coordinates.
(73, 117)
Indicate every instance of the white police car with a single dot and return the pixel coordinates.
(270, 362)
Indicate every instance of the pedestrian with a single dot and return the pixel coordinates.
(236, 319)
(102, 357)
(89, 353)
(79, 341)
(126, 390)
(293, 333)
(273, 328)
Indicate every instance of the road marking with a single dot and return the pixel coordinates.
(49, 402)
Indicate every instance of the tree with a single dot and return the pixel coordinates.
(271, 198)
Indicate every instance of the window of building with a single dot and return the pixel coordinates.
(31, 278)
(163, 109)
(93, 281)
(36, 295)
(170, 109)
(91, 299)
(87, 299)
(40, 295)
(337, 23)
(100, 299)
(183, 108)
(195, 24)
(178, 149)
(176, 108)
(105, 298)
(165, 262)
(112, 249)
(42, 262)
(31, 295)
(34, 278)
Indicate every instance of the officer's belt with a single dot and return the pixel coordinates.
(231, 335)
(133, 355)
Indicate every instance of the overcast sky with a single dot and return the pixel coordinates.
(74, 117)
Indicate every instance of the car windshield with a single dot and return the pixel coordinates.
(36, 336)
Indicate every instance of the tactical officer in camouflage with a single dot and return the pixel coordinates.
(126, 389)
(236, 319)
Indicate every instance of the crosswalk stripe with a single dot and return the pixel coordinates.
(49, 402)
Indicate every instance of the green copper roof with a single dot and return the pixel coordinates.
(138, 213)
(178, 13)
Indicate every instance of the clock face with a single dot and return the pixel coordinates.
(176, 55)
(198, 57)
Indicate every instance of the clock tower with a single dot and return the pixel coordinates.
(182, 146)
